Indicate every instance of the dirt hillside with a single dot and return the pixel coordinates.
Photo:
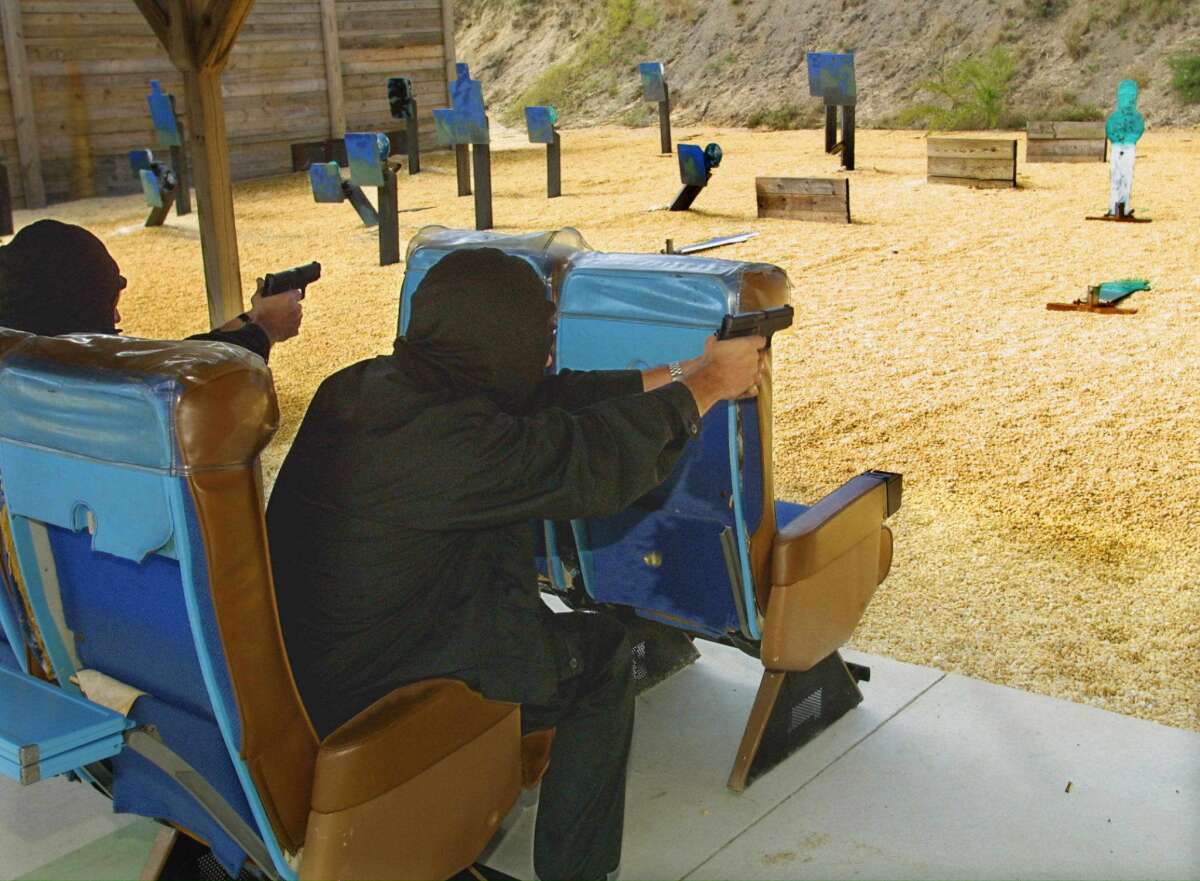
(742, 61)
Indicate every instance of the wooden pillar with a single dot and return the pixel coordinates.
(664, 121)
(848, 137)
(198, 36)
(333, 70)
(554, 167)
(830, 127)
(448, 43)
(22, 104)
(214, 194)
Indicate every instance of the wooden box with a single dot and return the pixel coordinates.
(1066, 142)
(825, 200)
(973, 162)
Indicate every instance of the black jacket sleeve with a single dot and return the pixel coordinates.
(494, 469)
(248, 336)
(576, 389)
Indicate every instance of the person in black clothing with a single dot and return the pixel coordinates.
(58, 278)
(400, 528)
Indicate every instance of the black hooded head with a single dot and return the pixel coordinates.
(480, 324)
(58, 278)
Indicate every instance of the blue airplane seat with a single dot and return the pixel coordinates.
(668, 556)
(546, 252)
(136, 510)
(109, 546)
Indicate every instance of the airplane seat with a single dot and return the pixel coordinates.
(546, 252)
(136, 509)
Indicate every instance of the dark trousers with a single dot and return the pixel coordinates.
(581, 809)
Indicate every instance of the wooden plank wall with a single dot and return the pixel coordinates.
(91, 61)
(1047, 141)
(973, 162)
(804, 198)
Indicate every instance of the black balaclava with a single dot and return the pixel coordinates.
(58, 278)
(480, 324)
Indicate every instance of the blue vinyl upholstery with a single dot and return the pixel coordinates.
(619, 311)
(546, 252)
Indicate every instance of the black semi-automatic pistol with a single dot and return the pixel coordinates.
(298, 278)
(762, 323)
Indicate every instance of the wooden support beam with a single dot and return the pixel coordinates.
(21, 95)
(209, 153)
(448, 43)
(217, 27)
(180, 45)
(333, 69)
(198, 35)
(156, 16)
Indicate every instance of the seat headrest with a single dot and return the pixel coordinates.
(172, 406)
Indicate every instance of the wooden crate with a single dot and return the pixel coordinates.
(826, 200)
(973, 162)
(1066, 142)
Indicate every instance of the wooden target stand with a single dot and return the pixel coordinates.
(1092, 304)
(1120, 217)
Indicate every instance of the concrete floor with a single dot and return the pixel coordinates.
(933, 776)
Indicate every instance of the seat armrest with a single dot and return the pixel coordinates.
(825, 566)
(414, 786)
(398, 737)
(834, 525)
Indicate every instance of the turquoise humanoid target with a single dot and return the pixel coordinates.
(1124, 128)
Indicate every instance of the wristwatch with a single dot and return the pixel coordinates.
(675, 370)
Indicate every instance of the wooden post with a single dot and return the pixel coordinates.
(198, 35)
(214, 194)
(22, 104)
(412, 141)
(848, 137)
(183, 198)
(554, 167)
(389, 218)
(333, 70)
(481, 155)
(462, 159)
(448, 44)
(830, 127)
(664, 120)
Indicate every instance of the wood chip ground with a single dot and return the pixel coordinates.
(1050, 534)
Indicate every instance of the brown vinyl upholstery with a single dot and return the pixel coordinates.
(765, 288)
(413, 786)
(813, 577)
(825, 567)
(406, 773)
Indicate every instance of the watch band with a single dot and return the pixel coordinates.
(245, 318)
(675, 370)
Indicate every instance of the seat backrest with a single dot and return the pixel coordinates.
(130, 474)
(621, 311)
(547, 252)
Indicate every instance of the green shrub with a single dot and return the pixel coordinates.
(971, 93)
(785, 117)
(1044, 8)
(1185, 76)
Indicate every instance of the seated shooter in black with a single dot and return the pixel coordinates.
(58, 278)
(401, 540)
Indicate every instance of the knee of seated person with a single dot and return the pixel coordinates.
(612, 647)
